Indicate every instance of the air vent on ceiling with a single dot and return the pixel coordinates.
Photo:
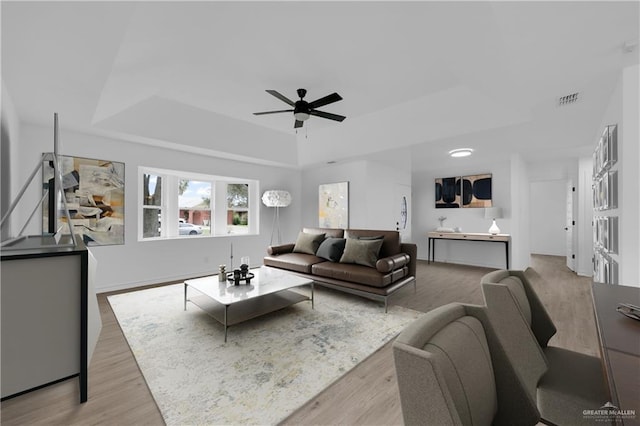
(568, 99)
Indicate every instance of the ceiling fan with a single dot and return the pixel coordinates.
(303, 109)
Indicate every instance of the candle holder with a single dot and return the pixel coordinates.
(237, 277)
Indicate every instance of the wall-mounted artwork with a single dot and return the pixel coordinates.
(448, 193)
(94, 193)
(466, 192)
(476, 191)
(333, 205)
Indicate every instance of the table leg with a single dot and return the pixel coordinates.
(433, 250)
(226, 309)
(429, 251)
(185, 296)
(312, 295)
(506, 245)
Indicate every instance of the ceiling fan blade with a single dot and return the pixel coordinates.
(329, 99)
(283, 98)
(328, 115)
(298, 124)
(272, 112)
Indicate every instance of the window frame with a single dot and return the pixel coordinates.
(218, 203)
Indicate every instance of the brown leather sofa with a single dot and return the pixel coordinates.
(394, 268)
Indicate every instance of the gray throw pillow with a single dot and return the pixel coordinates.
(361, 252)
(308, 243)
(331, 249)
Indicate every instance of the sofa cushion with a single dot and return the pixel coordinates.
(361, 252)
(297, 262)
(390, 244)
(308, 243)
(283, 248)
(354, 273)
(331, 249)
(328, 232)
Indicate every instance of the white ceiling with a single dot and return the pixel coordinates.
(416, 77)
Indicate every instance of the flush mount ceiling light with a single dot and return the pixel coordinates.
(461, 152)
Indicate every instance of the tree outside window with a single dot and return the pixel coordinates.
(238, 208)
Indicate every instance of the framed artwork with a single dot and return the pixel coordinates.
(464, 192)
(94, 193)
(333, 205)
(476, 191)
(448, 193)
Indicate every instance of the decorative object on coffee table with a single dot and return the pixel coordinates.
(239, 276)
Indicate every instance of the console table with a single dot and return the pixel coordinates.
(619, 346)
(467, 236)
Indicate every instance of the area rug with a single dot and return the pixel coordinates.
(269, 367)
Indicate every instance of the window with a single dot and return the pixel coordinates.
(186, 205)
(237, 208)
(151, 205)
(194, 203)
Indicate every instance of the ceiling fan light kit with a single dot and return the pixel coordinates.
(302, 109)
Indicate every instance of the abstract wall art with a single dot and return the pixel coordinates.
(476, 191)
(333, 205)
(464, 191)
(94, 193)
(448, 193)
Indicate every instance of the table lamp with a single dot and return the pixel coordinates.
(493, 213)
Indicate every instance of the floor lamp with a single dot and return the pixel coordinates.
(276, 198)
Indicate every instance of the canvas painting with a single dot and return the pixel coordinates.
(94, 193)
(448, 193)
(476, 191)
(333, 205)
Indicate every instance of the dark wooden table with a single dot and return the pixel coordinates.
(620, 346)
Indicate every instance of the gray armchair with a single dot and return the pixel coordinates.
(452, 370)
(563, 382)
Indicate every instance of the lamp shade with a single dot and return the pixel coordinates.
(276, 198)
(493, 213)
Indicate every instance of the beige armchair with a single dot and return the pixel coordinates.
(452, 370)
(563, 382)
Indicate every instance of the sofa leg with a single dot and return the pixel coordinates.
(386, 305)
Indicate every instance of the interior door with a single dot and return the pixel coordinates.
(570, 224)
(403, 211)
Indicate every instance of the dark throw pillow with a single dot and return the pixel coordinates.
(331, 249)
(361, 252)
(308, 243)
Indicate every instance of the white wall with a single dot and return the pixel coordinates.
(138, 263)
(371, 192)
(470, 220)
(520, 213)
(10, 134)
(584, 226)
(629, 152)
(548, 203)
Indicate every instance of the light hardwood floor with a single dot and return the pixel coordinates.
(367, 395)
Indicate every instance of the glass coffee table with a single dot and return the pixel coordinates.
(268, 291)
